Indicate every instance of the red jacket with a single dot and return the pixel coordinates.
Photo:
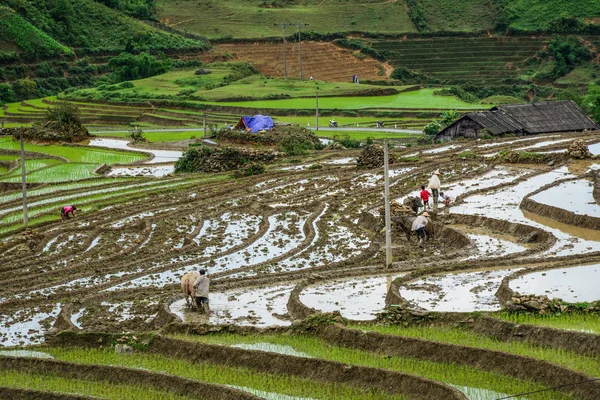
(425, 195)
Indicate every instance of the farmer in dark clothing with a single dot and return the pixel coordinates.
(66, 210)
(201, 287)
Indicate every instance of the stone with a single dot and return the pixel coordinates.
(551, 163)
(533, 305)
(123, 349)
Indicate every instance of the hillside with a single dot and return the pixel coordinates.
(85, 26)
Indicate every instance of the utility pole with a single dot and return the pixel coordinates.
(388, 224)
(283, 26)
(204, 124)
(300, 47)
(317, 110)
(23, 181)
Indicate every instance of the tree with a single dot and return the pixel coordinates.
(448, 117)
(25, 89)
(591, 102)
(64, 114)
(432, 128)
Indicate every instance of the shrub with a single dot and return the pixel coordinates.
(296, 145)
(128, 67)
(347, 142)
(432, 128)
(137, 135)
(252, 168)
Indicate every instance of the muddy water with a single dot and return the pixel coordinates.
(160, 156)
(25, 353)
(512, 141)
(259, 307)
(269, 395)
(457, 292)
(157, 172)
(441, 149)
(504, 204)
(341, 161)
(573, 284)
(473, 393)
(356, 299)
(489, 246)
(594, 148)
(543, 144)
(575, 196)
(27, 326)
(272, 348)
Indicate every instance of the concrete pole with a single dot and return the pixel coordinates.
(388, 224)
(24, 182)
(300, 50)
(204, 124)
(284, 53)
(317, 110)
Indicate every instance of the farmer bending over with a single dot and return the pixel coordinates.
(419, 225)
(66, 210)
(445, 199)
(201, 287)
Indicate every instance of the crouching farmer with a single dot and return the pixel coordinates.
(66, 210)
(419, 226)
(201, 291)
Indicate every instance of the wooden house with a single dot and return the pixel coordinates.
(520, 119)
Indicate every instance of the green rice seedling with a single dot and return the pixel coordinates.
(104, 390)
(56, 173)
(588, 323)
(588, 365)
(457, 375)
(77, 154)
(63, 187)
(220, 374)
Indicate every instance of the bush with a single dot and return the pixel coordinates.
(432, 128)
(296, 145)
(252, 168)
(127, 67)
(347, 142)
(137, 135)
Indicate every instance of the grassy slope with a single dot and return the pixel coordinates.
(531, 15)
(95, 26)
(418, 99)
(209, 86)
(17, 34)
(245, 18)
(459, 15)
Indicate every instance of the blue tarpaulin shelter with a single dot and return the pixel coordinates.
(255, 124)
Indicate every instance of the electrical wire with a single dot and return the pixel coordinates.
(552, 388)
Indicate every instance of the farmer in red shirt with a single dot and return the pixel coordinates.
(425, 197)
(66, 210)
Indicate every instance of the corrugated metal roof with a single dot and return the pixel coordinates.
(497, 122)
(549, 116)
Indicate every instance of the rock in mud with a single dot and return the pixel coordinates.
(372, 157)
(579, 150)
(123, 349)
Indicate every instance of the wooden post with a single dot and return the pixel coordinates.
(388, 224)
(317, 110)
(24, 182)
(204, 124)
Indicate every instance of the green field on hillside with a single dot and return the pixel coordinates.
(224, 82)
(458, 15)
(93, 26)
(543, 15)
(417, 99)
(256, 18)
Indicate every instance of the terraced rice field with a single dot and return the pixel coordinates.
(485, 60)
(301, 305)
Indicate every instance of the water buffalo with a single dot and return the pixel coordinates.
(404, 224)
(414, 203)
(187, 287)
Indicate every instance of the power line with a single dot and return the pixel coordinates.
(545, 390)
(300, 25)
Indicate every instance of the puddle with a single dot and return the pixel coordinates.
(341, 161)
(574, 284)
(75, 317)
(160, 156)
(25, 353)
(370, 179)
(258, 307)
(473, 393)
(94, 243)
(543, 144)
(269, 395)
(575, 196)
(594, 148)
(441, 149)
(27, 326)
(483, 146)
(489, 246)
(458, 292)
(356, 299)
(157, 172)
(49, 244)
(272, 348)
(504, 204)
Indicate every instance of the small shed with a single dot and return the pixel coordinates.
(520, 119)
